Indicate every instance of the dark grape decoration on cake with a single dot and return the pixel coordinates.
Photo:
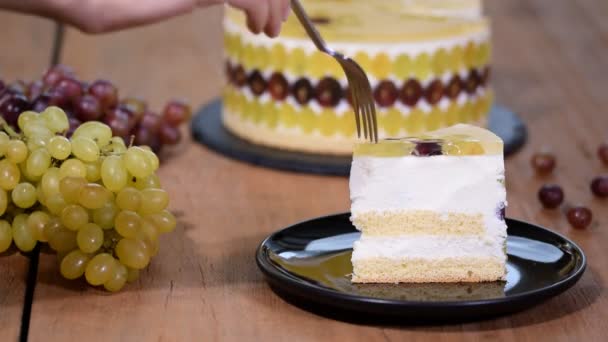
(99, 101)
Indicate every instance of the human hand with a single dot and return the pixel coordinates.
(99, 16)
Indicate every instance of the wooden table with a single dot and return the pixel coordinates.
(550, 65)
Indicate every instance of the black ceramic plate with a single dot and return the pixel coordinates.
(208, 129)
(308, 264)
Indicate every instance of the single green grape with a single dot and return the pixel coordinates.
(55, 203)
(24, 195)
(61, 239)
(93, 196)
(89, 238)
(149, 246)
(6, 235)
(85, 149)
(59, 147)
(50, 182)
(118, 279)
(153, 201)
(131, 253)
(128, 198)
(148, 230)
(9, 175)
(152, 182)
(24, 240)
(137, 162)
(37, 222)
(70, 188)
(56, 119)
(127, 223)
(164, 221)
(3, 201)
(113, 173)
(37, 129)
(72, 168)
(16, 151)
(73, 264)
(148, 235)
(38, 162)
(152, 158)
(37, 142)
(99, 269)
(26, 118)
(93, 171)
(26, 176)
(73, 216)
(100, 133)
(117, 145)
(104, 216)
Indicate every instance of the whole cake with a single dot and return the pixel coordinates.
(430, 208)
(428, 64)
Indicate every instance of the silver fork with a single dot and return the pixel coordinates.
(361, 90)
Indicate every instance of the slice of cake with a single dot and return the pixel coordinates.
(430, 208)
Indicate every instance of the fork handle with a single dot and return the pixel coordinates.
(314, 35)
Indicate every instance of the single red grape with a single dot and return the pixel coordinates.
(150, 121)
(87, 108)
(427, 148)
(57, 98)
(144, 137)
(105, 92)
(56, 73)
(169, 135)
(71, 88)
(40, 103)
(12, 107)
(543, 162)
(579, 217)
(328, 92)
(551, 196)
(602, 153)
(599, 186)
(176, 112)
(386, 93)
(118, 120)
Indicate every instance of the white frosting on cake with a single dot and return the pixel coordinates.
(464, 184)
(428, 247)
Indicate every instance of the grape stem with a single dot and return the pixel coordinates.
(8, 129)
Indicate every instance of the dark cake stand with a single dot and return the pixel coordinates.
(207, 128)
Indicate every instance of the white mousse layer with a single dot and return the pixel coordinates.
(467, 184)
(429, 247)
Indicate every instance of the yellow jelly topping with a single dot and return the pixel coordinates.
(457, 140)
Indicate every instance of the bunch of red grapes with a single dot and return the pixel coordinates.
(128, 118)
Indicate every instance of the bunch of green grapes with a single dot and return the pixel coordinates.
(92, 199)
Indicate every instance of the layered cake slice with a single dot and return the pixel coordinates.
(430, 208)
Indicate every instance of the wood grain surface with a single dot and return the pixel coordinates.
(26, 50)
(550, 65)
